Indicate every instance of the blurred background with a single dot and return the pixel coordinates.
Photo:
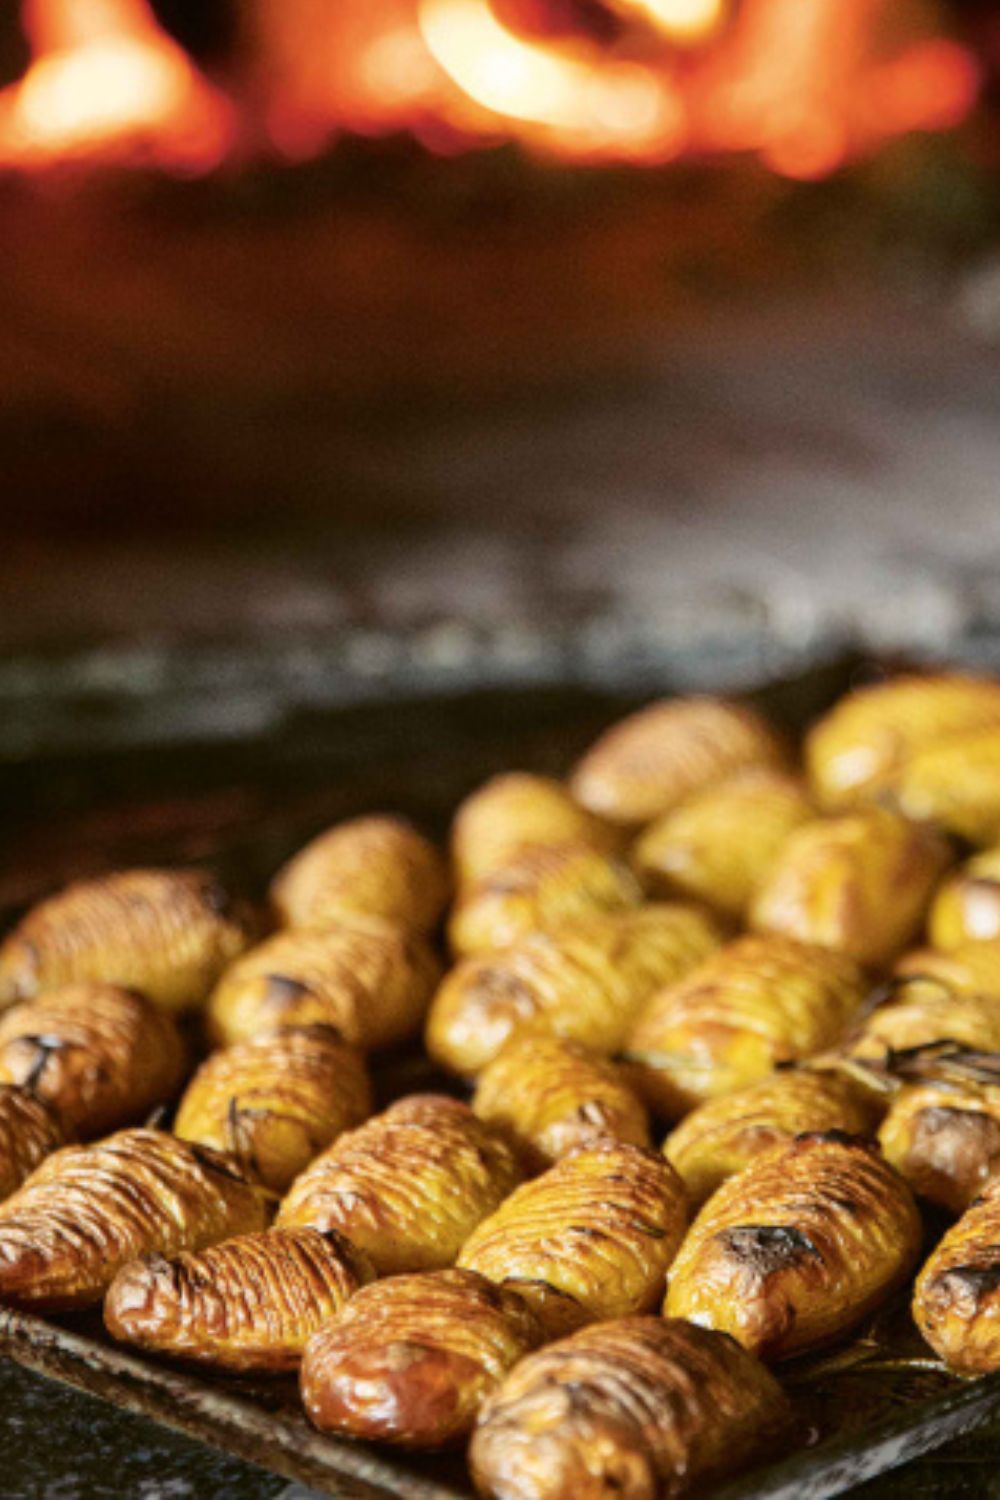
(351, 347)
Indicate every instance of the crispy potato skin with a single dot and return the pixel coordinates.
(275, 1103)
(944, 1140)
(550, 1096)
(860, 883)
(591, 1238)
(641, 1408)
(967, 906)
(409, 1187)
(29, 1132)
(760, 1001)
(518, 811)
(101, 1057)
(410, 1360)
(863, 742)
(545, 888)
(924, 1015)
(956, 1302)
(166, 933)
(376, 866)
(720, 844)
(584, 983)
(955, 785)
(369, 979)
(722, 1136)
(796, 1249)
(249, 1304)
(88, 1210)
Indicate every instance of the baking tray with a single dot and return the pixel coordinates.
(243, 805)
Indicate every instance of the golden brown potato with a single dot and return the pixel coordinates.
(545, 889)
(377, 866)
(100, 1057)
(859, 883)
(970, 969)
(645, 765)
(275, 1103)
(956, 1303)
(409, 1187)
(550, 1096)
(585, 983)
(166, 933)
(722, 1136)
(638, 1408)
(29, 1132)
(411, 1359)
(591, 1238)
(720, 844)
(759, 1002)
(250, 1303)
(955, 785)
(796, 1249)
(88, 1210)
(519, 811)
(944, 1138)
(369, 979)
(860, 745)
(967, 905)
(924, 1015)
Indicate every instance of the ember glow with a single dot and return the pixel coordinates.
(804, 85)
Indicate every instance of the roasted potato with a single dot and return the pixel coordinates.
(720, 844)
(101, 1057)
(925, 1015)
(29, 1132)
(377, 866)
(966, 908)
(585, 983)
(956, 1302)
(799, 1247)
(858, 748)
(275, 1103)
(409, 1187)
(645, 765)
(550, 1096)
(544, 889)
(944, 1138)
(758, 1002)
(369, 979)
(166, 933)
(969, 969)
(410, 1360)
(591, 1238)
(515, 812)
(722, 1136)
(248, 1304)
(636, 1408)
(955, 785)
(88, 1210)
(860, 883)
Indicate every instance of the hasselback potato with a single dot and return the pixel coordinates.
(101, 1057)
(638, 1408)
(369, 979)
(585, 983)
(543, 889)
(518, 811)
(722, 1136)
(29, 1132)
(944, 1138)
(87, 1210)
(550, 1096)
(859, 883)
(923, 1016)
(645, 765)
(276, 1102)
(969, 969)
(248, 1304)
(956, 1302)
(409, 1187)
(719, 845)
(966, 908)
(955, 785)
(166, 933)
(375, 866)
(411, 1359)
(795, 1250)
(591, 1238)
(758, 1002)
(860, 745)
